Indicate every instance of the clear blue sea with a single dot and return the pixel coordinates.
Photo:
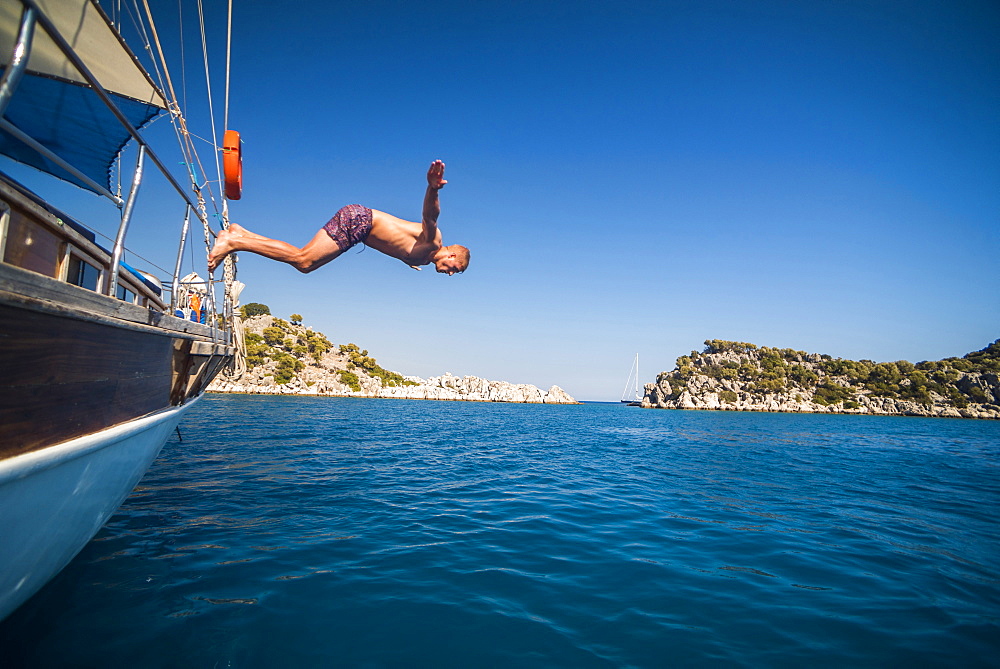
(329, 532)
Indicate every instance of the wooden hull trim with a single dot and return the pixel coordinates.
(68, 374)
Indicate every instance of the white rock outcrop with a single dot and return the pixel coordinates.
(323, 377)
(466, 388)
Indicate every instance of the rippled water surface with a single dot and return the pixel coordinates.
(382, 533)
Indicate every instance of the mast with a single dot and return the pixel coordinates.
(632, 381)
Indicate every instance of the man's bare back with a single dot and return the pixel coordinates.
(401, 239)
(413, 243)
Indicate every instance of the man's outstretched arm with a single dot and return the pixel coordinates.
(432, 206)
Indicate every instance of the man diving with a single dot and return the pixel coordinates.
(413, 243)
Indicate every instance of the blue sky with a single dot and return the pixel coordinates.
(631, 177)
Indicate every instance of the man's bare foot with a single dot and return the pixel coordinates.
(225, 243)
(220, 249)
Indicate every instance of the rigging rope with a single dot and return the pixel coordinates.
(238, 367)
(231, 287)
(208, 84)
(180, 36)
(229, 50)
(167, 85)
(177, 117)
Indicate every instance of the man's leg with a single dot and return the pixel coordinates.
(320, 250)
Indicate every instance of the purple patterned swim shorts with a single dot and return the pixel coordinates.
(350, 226)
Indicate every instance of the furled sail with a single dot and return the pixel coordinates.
(56, 106)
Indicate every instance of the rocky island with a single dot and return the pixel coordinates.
(737, 376)
(287, 358)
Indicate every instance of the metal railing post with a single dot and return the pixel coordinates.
(18, 59)
(119, 249)
(180, 258)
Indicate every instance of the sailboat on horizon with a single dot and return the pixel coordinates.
(631, 393)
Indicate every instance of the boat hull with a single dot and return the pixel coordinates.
(96, 367)
(75, 363)
(64, 378)
(53, 501)
(90, 391)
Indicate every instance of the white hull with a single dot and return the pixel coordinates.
(53, 501)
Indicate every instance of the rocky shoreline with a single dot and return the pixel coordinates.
(445, 387)
(300, 361)
(735, 376)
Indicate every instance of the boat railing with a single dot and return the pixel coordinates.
(32, 16)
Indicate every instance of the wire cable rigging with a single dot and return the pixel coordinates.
(192, 159)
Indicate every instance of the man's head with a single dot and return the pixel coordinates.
(452, 259)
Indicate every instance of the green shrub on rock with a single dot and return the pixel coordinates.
(257, 349)
(828, 393)
(254, 309)
(360, 359)
(349, 379)
(769, 386)
(723, 346)
(317, 345)
(288, 365)
(274, 336)
(802, 375)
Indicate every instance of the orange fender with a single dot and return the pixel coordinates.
(232, 164)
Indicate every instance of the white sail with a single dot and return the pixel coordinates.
(631, 392)
(85, 27)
